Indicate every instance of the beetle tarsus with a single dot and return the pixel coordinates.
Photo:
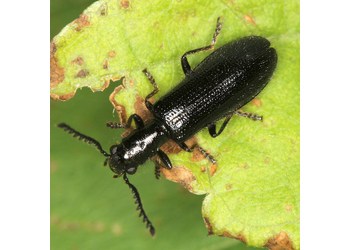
(206, 155)
(252, 116)
(157, 172)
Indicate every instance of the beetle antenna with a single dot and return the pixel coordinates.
(138, 201)
(87, 139)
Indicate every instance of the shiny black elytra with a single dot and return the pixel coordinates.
(221, 84)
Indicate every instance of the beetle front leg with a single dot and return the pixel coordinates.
(184, 62)
(138, 122)
(164, 159)
(155, 91)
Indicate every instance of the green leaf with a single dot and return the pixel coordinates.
(253, 194)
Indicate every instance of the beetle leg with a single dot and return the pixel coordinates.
(151, 79)
(206, 155)
(158, 163)
(138, 121)
(164, 159)
(157, 172)
(252, 116)
(212, 127)
(184, 62)
(184, 146)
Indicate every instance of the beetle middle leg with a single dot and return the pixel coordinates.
(184, 62)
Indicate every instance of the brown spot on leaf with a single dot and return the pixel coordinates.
(212, 169)
(103, 11)
(105, 65)
(124, 4)
(288, 207)
(78, 60)
(82, 73)
(180, 175)
(280, 242)
(82, 22)
(56, 72)
(248, 18)
(111, 54)
(228, 187)
(256, 102)
(203, 169)
(238, 237)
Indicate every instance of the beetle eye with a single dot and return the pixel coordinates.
(113, 149)
(131, 170)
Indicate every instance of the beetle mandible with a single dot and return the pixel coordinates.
(221, 84)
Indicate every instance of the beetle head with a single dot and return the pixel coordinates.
(117, 162)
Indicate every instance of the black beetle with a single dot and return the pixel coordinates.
(221, 84)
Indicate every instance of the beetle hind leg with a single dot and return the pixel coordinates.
(212, 127)
(184, 62)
